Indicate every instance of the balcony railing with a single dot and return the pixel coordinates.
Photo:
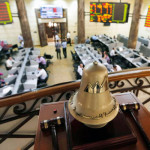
(19, 113)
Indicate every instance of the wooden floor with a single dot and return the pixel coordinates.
(60, 70)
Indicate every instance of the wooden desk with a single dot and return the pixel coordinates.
(44, 142)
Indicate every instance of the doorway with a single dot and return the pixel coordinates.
(53, 28)
(47, 31)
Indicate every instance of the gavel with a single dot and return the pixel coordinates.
(48, 125)
(130, 107)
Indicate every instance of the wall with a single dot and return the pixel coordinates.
(11, 32)
(113, 29)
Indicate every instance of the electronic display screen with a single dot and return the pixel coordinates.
(5, 13)
(147, 22)
(109, 12)
(51, 12)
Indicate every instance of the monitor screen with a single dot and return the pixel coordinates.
(147, 21)
(5, 13)
(51, 12)
(109, 12)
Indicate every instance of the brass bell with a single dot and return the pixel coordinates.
(93, 104)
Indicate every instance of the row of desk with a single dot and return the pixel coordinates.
(87, 55)
(128, 54)
(109, 42)
(26, 68)
(133, 57)
(143, 45)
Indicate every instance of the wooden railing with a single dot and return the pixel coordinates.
(22, 108)
(60, 88)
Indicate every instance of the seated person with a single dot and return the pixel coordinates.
(21, 40)
(9, 63)
(5, 47)
(80, 69)
(41, 61)
(94, 38)
(2, 83)
(1, 74)
(106, 57)
(41, 74)
(22, 44)
(87, 41)
(116, 68)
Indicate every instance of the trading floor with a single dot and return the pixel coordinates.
(60, 70)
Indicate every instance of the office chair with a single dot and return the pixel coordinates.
(28, 63)
(48, 62)
(7, 68)
(23, 79)
(32, 48)
(8, 94)
(48, 56)
(30, 53)
(78, 76)
(21, 88)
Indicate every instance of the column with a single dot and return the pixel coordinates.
(24, 23)
(65, 14)
(81, 22)
(133, 36)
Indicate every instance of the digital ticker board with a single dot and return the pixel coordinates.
(5, 12)
(147, 22)
(109, 12)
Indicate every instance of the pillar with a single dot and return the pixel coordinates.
(133, 36)
(65, 14)
(25, 28)
(81, 22)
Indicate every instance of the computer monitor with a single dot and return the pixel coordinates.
(23, 79)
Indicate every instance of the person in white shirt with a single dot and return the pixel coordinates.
(68, 38)
(9, 63)
(22, 44)
(116, 68)
(41, 74)
(64, 46)
(80, 69)
(56, 37)
(21, 40)
(113, 54)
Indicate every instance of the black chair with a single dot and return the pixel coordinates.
(13, 47)
(23, 79)
(28, 63)
(78, 76)
(21, 88)
(8, 94)
(48, 56)
(48, 62)
(32, 48)
(7, 68)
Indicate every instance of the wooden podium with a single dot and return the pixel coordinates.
(44, 141)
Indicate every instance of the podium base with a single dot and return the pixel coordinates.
(114, 134)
